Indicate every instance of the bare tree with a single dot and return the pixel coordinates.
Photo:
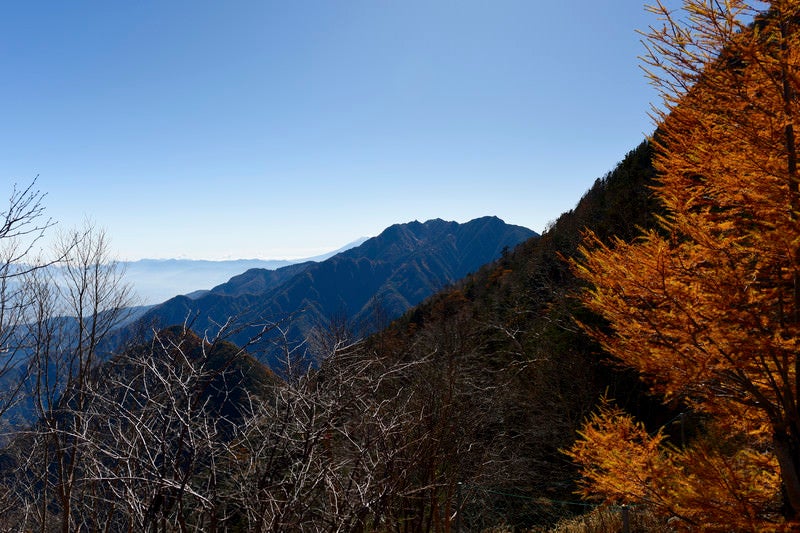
(317, 454)
(22, 225)
(157, 422)
(70, 308)
(188, 433)
(163, 414)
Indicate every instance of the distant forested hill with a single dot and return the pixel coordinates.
(365, 286)
(452, 417)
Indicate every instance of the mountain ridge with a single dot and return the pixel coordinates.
(157, 280)
(392, 272)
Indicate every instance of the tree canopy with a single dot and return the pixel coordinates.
(707, 307)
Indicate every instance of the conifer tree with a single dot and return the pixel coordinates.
(707, 308)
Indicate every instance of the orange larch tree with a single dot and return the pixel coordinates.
(707, 308)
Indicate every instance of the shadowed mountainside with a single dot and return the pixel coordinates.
(374, 282)
(458, 410)
(518, 377)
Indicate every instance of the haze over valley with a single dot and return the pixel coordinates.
(578, 309)
(156, 280)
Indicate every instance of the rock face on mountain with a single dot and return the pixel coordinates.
(386, 275)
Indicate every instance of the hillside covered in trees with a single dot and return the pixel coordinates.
(468, 398)
(641, 352)
(366, 286)
(514, 376)
(706, 309)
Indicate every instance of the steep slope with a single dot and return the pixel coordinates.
(517, 376)
(399, 268)
(457, 412)
(386, 275)
(259, 280)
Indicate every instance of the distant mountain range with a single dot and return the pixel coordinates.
(383, 277)
(156, 280)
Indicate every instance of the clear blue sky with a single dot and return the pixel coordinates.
(238, 129)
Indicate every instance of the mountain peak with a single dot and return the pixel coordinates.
(394, 271)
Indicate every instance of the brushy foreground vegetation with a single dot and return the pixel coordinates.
(455, 415)
(467, 413)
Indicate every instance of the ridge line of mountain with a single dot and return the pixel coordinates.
(390, 272)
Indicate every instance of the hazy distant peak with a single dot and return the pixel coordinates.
(386, 274)
(156, 280)
(354, 244)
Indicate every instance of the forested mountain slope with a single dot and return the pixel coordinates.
(453, 417)
(383, 277)
(515, 376)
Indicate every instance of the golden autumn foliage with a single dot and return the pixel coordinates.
(621, 456)
(707, 309)
(718, 482)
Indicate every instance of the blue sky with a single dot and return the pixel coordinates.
(272, 129)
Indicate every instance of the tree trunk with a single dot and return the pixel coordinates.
(786, 452)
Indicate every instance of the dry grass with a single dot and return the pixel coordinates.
(609, 520)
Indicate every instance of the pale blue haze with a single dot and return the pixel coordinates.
(275, 129)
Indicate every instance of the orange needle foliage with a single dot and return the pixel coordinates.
(708, 308)
(702, 485)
